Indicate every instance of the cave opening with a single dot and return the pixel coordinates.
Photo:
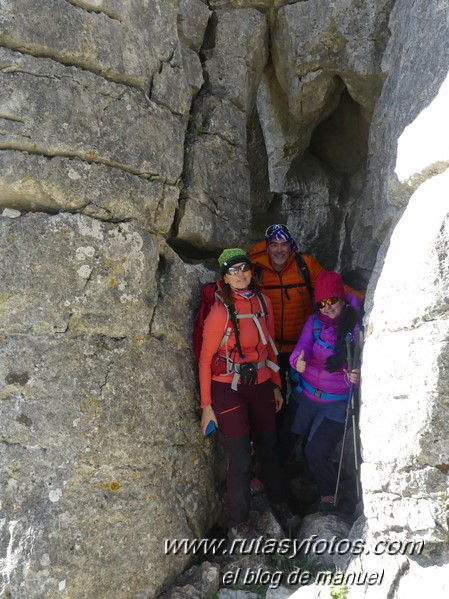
(341, 140)
(322, 186)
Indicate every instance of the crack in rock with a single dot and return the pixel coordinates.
(90, 157)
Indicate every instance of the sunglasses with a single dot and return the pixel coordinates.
(330, 301)
(234, 270)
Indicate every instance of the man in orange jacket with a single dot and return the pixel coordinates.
(279, 268)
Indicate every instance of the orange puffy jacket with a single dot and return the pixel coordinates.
(288, 292)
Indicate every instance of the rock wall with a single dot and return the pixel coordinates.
(101, 455)
(405, 435)
(102, 458)
(139, 138)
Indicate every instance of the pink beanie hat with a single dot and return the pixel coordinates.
(329, 284)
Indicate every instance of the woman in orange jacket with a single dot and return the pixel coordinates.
(240, 388)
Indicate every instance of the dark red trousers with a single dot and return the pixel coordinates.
(244, 416)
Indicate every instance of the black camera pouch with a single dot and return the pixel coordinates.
(248, 373)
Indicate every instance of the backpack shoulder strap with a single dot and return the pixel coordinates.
(302, 267)
(263, 304)
(257, 273)
(316, 330)
(317, 326)
(228, 327)
(264, 313)
(233, 318)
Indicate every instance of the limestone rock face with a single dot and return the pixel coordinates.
(77, 134)
(133, 129)
(122, 43)
(214, 211)
(411, 334)
(409, 129)
(320, 40)
(87, 416)
(97, 380)
(405, 438)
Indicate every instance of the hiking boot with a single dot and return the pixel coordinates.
(243, 531)
(256, 486)
(289, 522)
(327, 505)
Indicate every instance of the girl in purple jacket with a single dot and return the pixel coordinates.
(324, 384)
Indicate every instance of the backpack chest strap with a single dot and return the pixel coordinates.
(263, 338)
(255, 316)
(282, 286)
(225, 338)
(255, 319)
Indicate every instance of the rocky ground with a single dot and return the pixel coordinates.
(281, 563)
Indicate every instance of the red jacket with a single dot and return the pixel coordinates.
(251, 343)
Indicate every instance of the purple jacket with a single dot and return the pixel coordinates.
(315, 355)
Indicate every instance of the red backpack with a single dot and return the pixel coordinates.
(207, 299)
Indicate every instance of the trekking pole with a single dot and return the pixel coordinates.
(352, 359)
(356, 359)
(343, 442)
